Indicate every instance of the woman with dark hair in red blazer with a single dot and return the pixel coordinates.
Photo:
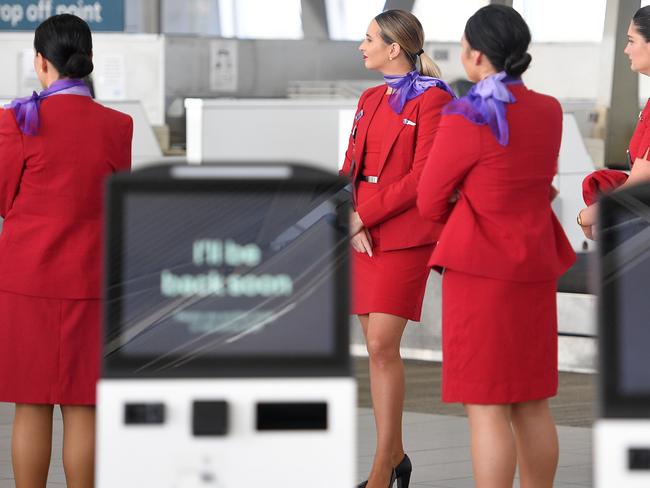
(606, 180)
(502, 251)
(393, 129)
(56, 149)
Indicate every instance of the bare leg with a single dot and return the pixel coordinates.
(31, 446)
(537, 443)
(79, 445)
(494, 454)
(383, 337)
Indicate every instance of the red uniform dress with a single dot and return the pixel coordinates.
(502, 251)
(51, 192)
(605, 180)
(392, 147)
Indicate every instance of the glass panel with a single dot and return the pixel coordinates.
(441, 21)
(348, 20)
(261, 19)
(562, 20)
(190, 17)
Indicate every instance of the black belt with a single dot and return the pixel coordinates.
(370, 179)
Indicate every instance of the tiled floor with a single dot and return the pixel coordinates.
(437, 444)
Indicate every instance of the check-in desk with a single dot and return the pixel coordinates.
(314, 131)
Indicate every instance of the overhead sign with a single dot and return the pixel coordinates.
(26, 15)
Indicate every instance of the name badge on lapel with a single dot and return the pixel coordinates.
(409, 122)
(356, 124)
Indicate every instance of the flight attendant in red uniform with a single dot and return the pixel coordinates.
(502, 251)
(56, 150)
(394, 127)
(638, 50)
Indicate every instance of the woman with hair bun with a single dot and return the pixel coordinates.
(56, 150)
(502, 251)
(394, 127)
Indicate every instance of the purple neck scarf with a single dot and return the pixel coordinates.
(408, 86)
(26, 109)
(485, 103)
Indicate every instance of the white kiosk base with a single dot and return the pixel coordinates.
(160, 450)
(622, 453)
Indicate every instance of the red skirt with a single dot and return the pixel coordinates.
(391, 282)
(499, 340)
(49, 350)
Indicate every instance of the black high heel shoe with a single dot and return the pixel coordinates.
(402, 474)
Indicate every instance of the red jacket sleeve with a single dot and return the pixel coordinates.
(401, 195)
(599, 182)
(12, 160)
(454, 152)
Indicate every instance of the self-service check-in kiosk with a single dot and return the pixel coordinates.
(226, 343)
(622, 434)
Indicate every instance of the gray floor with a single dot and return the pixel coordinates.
(437, 442)
(438, 446)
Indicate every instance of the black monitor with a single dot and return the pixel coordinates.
(226, 271)
(624, 315)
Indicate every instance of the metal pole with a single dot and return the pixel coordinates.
(619, 86)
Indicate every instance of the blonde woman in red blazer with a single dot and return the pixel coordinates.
(393, 130)
(502, 251)
(56, 150)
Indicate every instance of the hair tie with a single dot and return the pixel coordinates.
(421, 51)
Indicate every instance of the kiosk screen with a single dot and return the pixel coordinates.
(220, 276)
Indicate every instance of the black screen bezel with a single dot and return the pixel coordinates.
(118, 365)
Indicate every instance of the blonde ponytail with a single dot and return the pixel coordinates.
(428, 66)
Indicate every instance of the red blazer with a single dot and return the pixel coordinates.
(502, 225)
(403, 154)
(51, 196)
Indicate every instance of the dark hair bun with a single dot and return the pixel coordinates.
(501, 34)
(66, 42)
(515, 65)
(79, 65)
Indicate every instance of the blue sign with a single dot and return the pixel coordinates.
(26, 15)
